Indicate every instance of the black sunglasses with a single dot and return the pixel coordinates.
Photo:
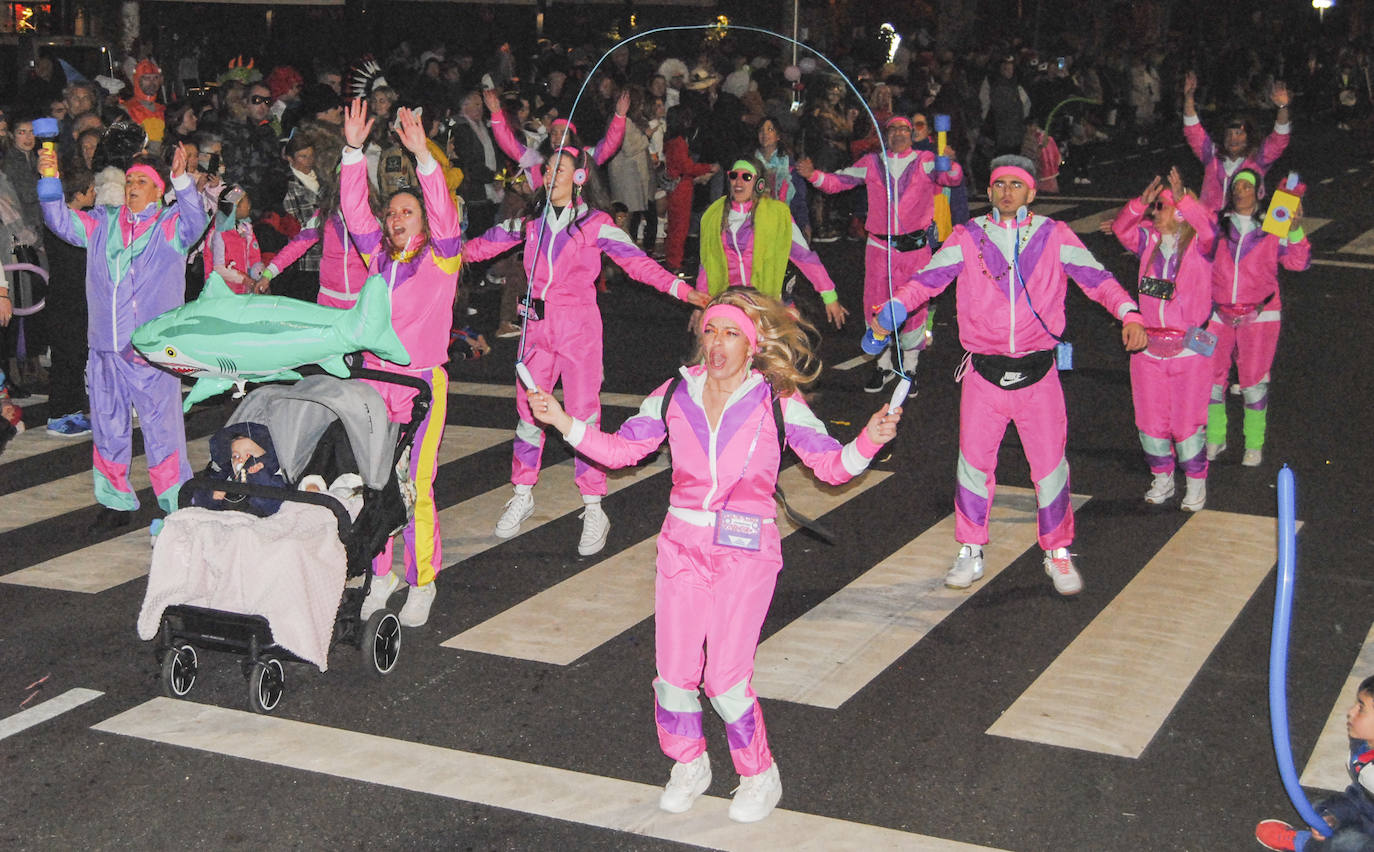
(747, 177)
(260, 99)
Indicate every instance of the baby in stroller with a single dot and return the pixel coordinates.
(268, 581)
(242, 452)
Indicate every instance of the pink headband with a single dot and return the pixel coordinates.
(1167, 196)
(1012, 171)
(572, 128)
(897, 119)
(738, 317)
(150, 173)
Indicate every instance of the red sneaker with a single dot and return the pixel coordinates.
(1275, 834)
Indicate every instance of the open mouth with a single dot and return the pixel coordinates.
(181, 369)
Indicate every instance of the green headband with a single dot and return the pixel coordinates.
(1247, 176)
(745, 165)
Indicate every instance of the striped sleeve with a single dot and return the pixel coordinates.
(635, 439)
(832, 462)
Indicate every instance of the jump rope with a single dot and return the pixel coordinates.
(903, 387)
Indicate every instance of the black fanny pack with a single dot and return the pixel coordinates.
(903, 242)
(1011, 373)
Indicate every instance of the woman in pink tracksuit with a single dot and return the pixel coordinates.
(563, 248)
(1174, 237)
(1245, 291)
(561, 132)
(1240, 146)
(418, 252)
(905, 233)
(719, 551)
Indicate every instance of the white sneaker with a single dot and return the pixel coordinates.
(1059, 565)
(1214, 450)
(1161, 488)
(382, 587)
(1252, 458)
(595, 527)
(517, 511)
(686, 784)
(415, 612)
(968, 567)
(1195, 495)
(756, 795)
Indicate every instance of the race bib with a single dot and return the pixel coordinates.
(739, 529)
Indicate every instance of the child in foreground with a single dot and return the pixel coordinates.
(1351, 813)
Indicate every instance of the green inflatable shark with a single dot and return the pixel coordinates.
(225, 340)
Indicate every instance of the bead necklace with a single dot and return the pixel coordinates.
(1024, 241)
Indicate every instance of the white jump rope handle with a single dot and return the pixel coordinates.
(525, 376)
(899, 393)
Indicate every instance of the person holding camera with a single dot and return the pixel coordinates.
(1171, 379)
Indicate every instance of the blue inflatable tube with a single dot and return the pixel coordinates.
(1278, 654)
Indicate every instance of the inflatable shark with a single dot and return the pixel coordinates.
(225, 340)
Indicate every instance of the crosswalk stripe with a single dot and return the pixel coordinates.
(827, 655)
(74, 491)
(569, 620)
(1325, 768)
(468, 526)
(562, 794)
(42, 712)
(856, 361)
(118, 560)
(1363, 244)
(1113, 686)
(493, 391)
(1312, 224)
(1346, 264)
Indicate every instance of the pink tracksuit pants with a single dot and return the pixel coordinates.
(566, 347)
(709, 605)
(1170, 396)
(1042, 423)
(877, 293)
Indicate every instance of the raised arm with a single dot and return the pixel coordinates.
(362, 226)
(66, 224)
(445, 228)
(191, 216)
(500, 129)
(1132, 235)
(615, 132)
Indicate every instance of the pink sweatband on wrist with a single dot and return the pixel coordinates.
(1012, 171)
(148, 172)
(738, 317)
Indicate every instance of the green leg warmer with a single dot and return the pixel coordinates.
(1255, 423)
(1216, 423)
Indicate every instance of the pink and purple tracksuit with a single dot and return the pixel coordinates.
(134, 272)
(1218, 169)
(995, 318)
(915, 184)
(708, 594)
(342, 268)
(739, 256)
(563, 251)
(1170, 383)
(531, 162)
(422, 285)
(1245, 293)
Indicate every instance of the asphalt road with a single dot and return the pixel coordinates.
(466, 749)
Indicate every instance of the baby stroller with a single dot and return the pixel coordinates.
(320, 425)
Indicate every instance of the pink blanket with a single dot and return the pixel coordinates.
(289, 567)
